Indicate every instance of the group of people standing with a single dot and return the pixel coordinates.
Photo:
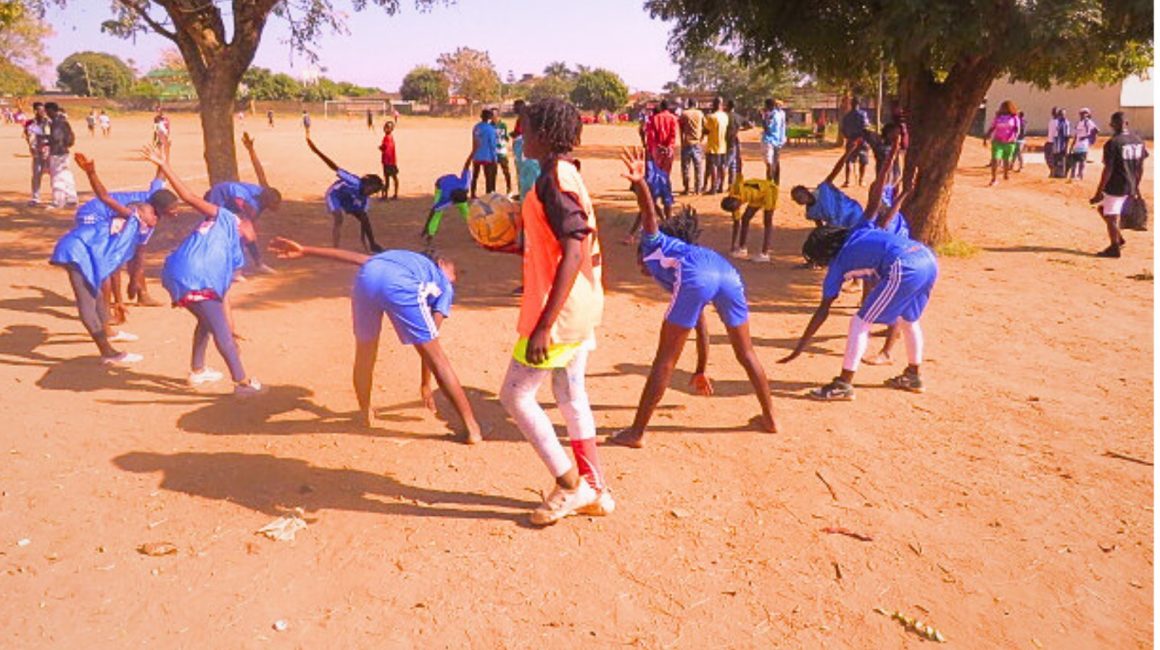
(50, 137)
(710, 146)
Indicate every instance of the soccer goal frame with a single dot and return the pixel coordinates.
(351, 106)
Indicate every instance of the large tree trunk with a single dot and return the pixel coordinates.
(940, 117)
(216, 97)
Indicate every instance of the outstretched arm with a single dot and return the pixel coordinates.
(846, 155)
(155, 156)
(328, 161)
(874, 198)
(248, 142)
(886, 217)
(819, 317)
(634, 162)
(90, 169)
(288, 249)
(700, 380)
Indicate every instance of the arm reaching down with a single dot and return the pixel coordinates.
(819, 317)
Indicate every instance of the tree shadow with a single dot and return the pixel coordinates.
(270, 485)
(23, 343)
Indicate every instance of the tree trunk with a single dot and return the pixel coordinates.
(940, 116)
(216, 107)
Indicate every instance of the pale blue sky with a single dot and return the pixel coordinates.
(521, 36)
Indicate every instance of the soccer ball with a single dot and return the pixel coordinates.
(493, 221)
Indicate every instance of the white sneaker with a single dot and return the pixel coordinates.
(740, 253)
(204, 376)
(123, 337)
(763, 257)
(602, 506)
(253, 387)
(561, 503)
(123, 359)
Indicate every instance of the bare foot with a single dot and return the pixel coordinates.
(627, 438)
(769, 424)
(880, 359)
(473, 435)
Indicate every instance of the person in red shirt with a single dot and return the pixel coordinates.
(660, 137)
(390, 162)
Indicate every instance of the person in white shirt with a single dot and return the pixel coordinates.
(1083, 137)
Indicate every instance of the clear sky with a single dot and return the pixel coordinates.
(521, 36)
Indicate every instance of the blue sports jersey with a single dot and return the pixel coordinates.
(486, 139)
(834, 207)
(695, 276)
(346, 194)
(240, 198)
(409, 288)
(97, 251)
(95, 210)
(659, 183)
(446, 185)
(528, 169)
(206, 260)
(867, 254)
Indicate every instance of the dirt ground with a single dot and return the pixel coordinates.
(995, 513)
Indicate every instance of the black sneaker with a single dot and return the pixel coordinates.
(1110, 251)
(907, 381)
(836, 390)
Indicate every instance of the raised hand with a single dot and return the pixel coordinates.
(87, 165)
(247, 140)
(634, 163)
(153, 154)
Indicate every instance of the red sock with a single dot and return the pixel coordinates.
(587, 462)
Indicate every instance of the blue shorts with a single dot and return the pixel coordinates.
(905, 290)
(376, 290)
(698, 285)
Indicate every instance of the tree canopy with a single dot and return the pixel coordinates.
(713, 70)
(94, 74)
(471, 74)
(425, 84)
(599, 90)
(946, 54)
(16, 81)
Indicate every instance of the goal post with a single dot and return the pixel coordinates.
(353, 106)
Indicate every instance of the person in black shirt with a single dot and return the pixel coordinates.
(853, 128)
(1124, 156)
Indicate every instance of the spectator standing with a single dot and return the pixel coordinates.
(91, 122)
(1124, 155)
(106, 123)
(661, 138)
(36, 131)
(715, 148)
(270, 118)
(732, 141)
(692, 122)
(484, 141)
(61, 138)
(1084, 137)
(1060, 143)
(1049, 146)
(773, 138)
(1020, 140)
(306, 122)
(853, 127)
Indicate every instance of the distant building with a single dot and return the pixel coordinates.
(1134, 96)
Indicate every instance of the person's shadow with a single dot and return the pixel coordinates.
(21, 344)
(272, 485)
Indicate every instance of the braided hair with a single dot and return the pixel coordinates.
(557, 122)
(823, 243)
(684, 225)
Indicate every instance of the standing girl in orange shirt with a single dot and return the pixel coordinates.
(562, 304)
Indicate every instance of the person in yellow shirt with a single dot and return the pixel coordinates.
(716, 123)
(755, 194)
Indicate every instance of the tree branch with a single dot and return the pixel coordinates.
(143, 14)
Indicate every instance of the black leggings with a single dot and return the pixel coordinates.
(489, 170)
(211, 320)
(92, 309)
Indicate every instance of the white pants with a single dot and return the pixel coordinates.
(518, 396)
(64, 184)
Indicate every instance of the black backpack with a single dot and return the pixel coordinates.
(1134, 215)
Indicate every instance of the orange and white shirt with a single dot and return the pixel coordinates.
(557, 209)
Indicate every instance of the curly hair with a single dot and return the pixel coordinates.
(684, 225)
(557, 122)
(823, 243)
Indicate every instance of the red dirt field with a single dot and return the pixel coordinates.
(996, 514)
